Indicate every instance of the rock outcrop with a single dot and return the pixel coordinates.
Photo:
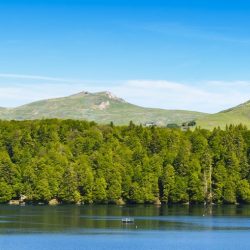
(54, 202)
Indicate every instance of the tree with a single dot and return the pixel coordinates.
(243, 191)
(42, 190)
(229, 194)
(168, 182)
(99, 190)
(68, 191)
(85, 178)
(219, 178)
(179, 194)
(5, 192)
(136, 193)
(196, 194)
(80, 161)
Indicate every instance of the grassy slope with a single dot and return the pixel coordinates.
(85, 106)
(237, 115)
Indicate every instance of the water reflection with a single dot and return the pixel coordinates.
(96, 219)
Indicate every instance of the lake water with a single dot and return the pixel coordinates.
(100, 227)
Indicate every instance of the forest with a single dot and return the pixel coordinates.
(83, 162)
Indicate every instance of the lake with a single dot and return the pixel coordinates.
(100, 227)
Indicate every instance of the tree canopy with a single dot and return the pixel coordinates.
(78, 161)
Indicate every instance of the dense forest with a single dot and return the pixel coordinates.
(82, 162)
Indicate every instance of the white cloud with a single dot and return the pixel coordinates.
(34, 77)
(208, 96)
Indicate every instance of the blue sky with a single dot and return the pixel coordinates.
(183, 54)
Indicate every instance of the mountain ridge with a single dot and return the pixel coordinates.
(102, 107)
(239, 114)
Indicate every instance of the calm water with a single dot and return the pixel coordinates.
(100, 227)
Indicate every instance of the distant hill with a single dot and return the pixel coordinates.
(236, 115)
(102, 107)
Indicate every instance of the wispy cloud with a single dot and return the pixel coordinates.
(35, 77)
(206, 96)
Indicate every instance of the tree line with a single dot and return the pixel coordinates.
(83, 162)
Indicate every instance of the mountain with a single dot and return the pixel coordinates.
(236, 115)
(102, 107)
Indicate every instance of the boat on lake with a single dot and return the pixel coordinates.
(128, 220)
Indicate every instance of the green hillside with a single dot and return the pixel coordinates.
(102, 107)
(236, 115)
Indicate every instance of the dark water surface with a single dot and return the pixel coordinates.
(100, 227)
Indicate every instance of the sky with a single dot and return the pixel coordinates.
(173, 54)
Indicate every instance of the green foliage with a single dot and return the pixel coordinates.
(229, 194)
(5, 192)
(244, 191)
(78, 161)
(219, 177)
(168, 182)
(196, 190)
(99, 191)
(180, 191)
(68, 191)
(136, 193)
